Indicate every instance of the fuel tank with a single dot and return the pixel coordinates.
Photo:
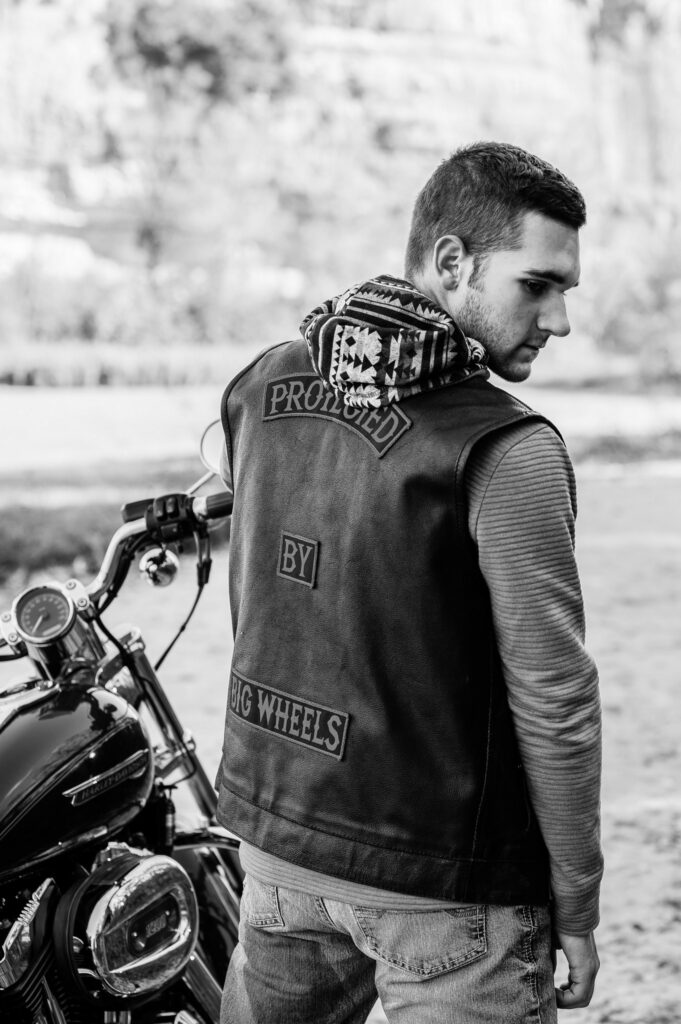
(73, 759)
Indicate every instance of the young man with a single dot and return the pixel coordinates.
(412, 741)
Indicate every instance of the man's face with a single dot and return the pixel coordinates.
(518, 299)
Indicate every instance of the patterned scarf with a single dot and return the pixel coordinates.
(383, 340)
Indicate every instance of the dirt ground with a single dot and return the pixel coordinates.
(629, 551)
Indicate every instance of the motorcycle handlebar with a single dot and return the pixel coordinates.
(214, 506)
(196, 510)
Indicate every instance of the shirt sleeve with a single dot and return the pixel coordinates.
(522, 507)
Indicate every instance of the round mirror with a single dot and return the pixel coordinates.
(212, 443)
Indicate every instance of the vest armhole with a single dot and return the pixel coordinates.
(520, 414)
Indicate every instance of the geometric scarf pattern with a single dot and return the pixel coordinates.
(383, 340)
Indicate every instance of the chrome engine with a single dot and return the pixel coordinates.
(116, 936)
(129, 928)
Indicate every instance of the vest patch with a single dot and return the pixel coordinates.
(298, 559)
(292, 718)
(304, 394)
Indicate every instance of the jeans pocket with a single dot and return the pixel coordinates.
(424, 944)
(260, 904)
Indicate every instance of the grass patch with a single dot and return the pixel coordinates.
(34, 539)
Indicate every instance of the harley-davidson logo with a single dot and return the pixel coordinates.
(305, 395)
(131, 768)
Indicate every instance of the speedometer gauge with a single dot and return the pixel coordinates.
(43, 613)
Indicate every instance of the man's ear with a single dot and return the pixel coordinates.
(449, 255)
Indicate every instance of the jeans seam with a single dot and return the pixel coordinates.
(530, 919)
(443, 967)
(322, 911)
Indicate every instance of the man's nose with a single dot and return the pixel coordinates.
(553, 318)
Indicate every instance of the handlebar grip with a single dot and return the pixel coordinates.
(219, 505)
(135, 509)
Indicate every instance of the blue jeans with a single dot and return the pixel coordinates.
(302, 959)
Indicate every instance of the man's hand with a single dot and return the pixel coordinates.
(583, 963)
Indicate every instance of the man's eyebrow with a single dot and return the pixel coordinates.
(550, 275)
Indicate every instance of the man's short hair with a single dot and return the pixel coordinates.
(480, 194)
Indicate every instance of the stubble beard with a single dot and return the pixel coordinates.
(477, 321)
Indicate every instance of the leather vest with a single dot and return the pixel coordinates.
(368, 733)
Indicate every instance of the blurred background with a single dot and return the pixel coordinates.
(179, 177)
(182, 180)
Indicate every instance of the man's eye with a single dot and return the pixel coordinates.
(535, 288)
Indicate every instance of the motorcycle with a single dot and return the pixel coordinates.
(119, 891)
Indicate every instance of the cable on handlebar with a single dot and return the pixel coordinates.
(121, 572)
(180, 630)
(203, 567)
(126, 657)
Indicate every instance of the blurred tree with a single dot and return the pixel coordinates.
(185, 61)
(610, 18)
(614, 17)
(218, 51)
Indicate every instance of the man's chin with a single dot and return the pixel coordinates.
(513, 374)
